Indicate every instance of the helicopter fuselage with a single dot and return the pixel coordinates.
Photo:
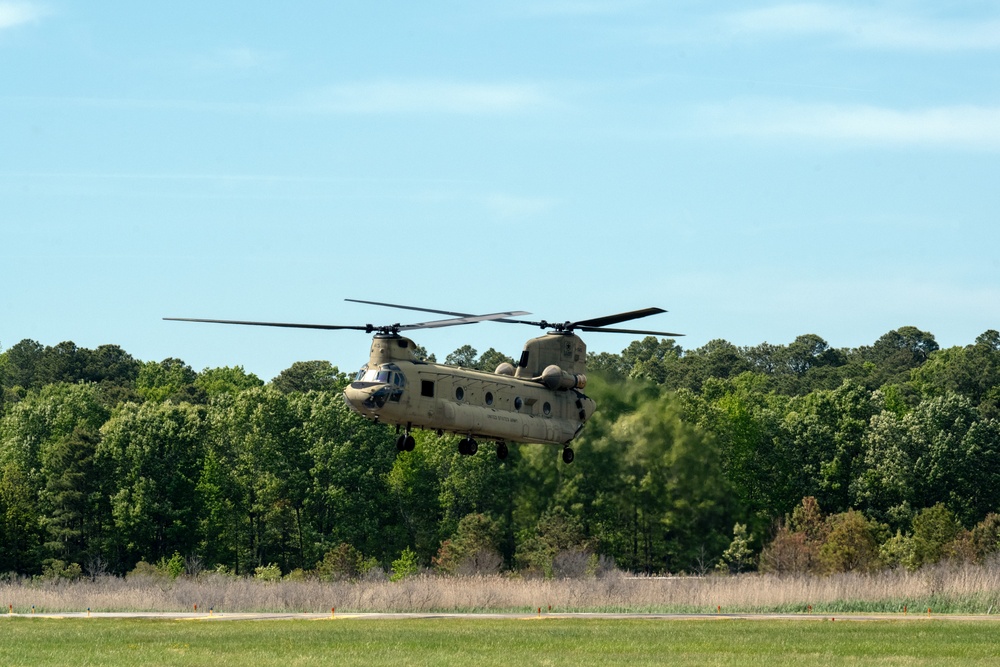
(517, 405)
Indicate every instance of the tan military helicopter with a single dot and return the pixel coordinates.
(541, 400)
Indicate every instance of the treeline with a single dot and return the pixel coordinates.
(787, 458)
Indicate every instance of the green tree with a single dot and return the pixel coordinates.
(556, 531)
(738, 556)
(253, 450)
(69, 501)
(934, 528)
(20, 364)
(851, 544)
(464, 356)
(20, 526)
(342, 479)
(153, 454)
(170, 379)
(305, 376)
(228, 379)
(473, 548)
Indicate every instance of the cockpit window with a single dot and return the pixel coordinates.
(381, 376)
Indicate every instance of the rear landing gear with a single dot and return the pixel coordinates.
(467, 446)
(567, 455)
(501, 450)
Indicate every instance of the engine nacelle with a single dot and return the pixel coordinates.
(554, 378)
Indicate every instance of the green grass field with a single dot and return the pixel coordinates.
(484, 642)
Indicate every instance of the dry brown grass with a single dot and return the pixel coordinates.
(967, 589)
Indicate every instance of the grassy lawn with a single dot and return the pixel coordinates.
(484, 642)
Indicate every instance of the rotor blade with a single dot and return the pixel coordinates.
(271, 324)
(470, 319)
(630, 331)
(422, 310)
(620, 317)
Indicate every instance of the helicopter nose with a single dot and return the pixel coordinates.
(365, 397)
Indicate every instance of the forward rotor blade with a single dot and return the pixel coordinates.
(422, 310)
(289, 325)
(470, 319)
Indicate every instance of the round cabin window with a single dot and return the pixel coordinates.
(489, 398)
(459, 393)
(547, 408)
(518, 403)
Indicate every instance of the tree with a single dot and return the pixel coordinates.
(341, 481)
(21, 364)
(231, 380)
(555, 532)
(851, 545)
(738, 556)
(464, 356)
(249, 484)
(305, 376)
(896, 353)
(69, 513)
(170, 379)
(491, 359)
(934, 528)
(20, 525)
(153, 454)
(473, 548)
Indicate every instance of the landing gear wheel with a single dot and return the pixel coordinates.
(567, 455)
(409, 443)
(473, 446)
(467, 446)
(401, 443)
(501, 450)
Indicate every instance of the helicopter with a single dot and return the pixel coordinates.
(540, 400)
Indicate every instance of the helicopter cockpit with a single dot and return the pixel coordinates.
(374, 387)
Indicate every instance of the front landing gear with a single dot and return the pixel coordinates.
(567, 455)
(405, 443)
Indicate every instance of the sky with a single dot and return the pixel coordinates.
(762, 170)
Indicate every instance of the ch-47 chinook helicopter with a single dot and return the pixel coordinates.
(541, 400)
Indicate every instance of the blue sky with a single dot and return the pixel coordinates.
(761, 170)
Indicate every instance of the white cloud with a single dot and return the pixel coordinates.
(867, 27)
(955, 126)
(17, 13)
(426, 97)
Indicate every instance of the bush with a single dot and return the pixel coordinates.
(269, 573)
(54, 570)
(405, 566)
(851, 545)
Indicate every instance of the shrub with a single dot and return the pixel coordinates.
(851, 544)
(269, 573)
(344, 562)
(405, 566)
(55, 569)
(472, 549)
(738, 556)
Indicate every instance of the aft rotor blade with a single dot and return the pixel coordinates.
(630, 331)
(289, 325)
(620, 317)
